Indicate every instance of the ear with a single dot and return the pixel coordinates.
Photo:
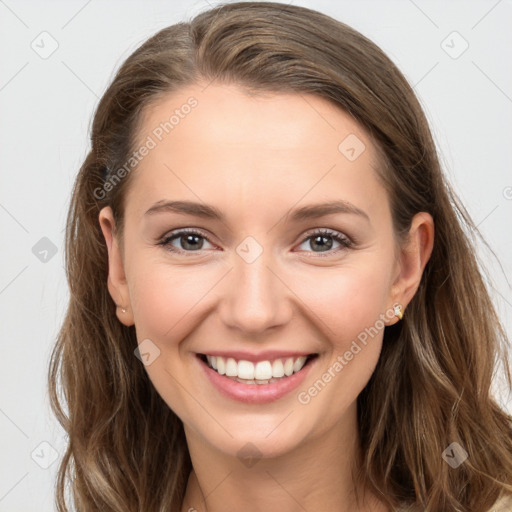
(116, 282)
(413, 258)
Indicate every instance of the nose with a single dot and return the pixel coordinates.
(256, 297)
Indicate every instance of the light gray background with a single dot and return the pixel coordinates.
(46, 107)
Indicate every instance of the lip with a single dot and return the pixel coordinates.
(255, 393)
(267, 355)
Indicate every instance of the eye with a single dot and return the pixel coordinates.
(190, 240)
(193, 241)
(323, 239)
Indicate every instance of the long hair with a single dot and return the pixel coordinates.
(126, 448)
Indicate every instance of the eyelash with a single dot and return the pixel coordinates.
(344, 241)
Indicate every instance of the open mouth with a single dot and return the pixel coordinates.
(261, 372)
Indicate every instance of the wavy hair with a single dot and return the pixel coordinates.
(126, 448)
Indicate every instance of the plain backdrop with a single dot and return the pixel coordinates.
(57, 59)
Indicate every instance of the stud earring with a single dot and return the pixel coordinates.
(397, 309)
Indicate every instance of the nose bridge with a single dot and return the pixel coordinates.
(256, 297)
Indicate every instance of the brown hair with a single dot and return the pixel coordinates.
(437, 364)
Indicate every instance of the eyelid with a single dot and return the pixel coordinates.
(341, 238)
(329, 232)
(345, 241)
(177, 233)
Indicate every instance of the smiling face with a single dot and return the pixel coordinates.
(255, 279)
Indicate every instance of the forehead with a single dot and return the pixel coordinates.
(219, 141)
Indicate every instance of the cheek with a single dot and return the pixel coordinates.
(350, 305)
(346, 300)
(341, 301)
(162, 297)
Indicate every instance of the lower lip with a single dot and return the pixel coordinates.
(256, 393)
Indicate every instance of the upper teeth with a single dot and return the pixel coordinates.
(262, 370)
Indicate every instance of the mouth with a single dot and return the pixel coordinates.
(259, 372)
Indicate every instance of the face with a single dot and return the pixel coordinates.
(271, 278)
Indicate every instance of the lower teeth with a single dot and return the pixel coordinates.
(255, 381)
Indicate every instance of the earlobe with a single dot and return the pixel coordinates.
(116, 281)
(413, 259)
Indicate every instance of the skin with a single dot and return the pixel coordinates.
(255, 157)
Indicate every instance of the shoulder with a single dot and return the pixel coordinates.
(504, 504)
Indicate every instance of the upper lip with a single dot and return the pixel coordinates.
(266, 355)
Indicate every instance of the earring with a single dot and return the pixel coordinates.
(398, 311)
(122, 309)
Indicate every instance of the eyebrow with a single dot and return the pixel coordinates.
(299, 214)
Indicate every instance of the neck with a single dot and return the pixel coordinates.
(317, 475)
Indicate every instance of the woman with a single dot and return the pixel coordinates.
(219, 352)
